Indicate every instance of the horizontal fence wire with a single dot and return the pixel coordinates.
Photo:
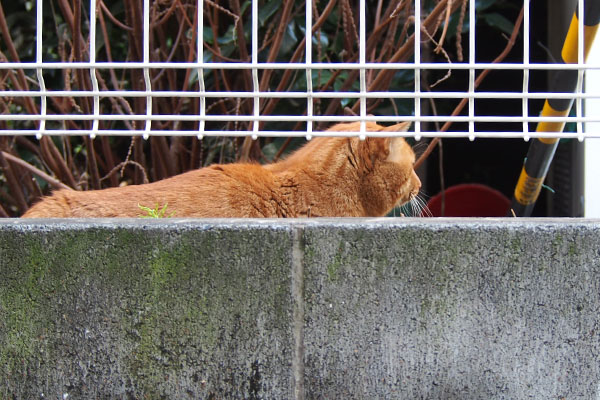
(296, 66)
(304, 114)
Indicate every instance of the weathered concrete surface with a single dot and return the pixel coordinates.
(144, 310)
(348, 309)
(483, 310)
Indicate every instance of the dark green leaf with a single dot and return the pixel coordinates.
(481, 5)
(265, 12)
(499, 21)
(207, 35)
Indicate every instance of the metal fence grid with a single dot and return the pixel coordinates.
(101, 120)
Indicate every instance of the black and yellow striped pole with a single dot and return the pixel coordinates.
(541, 151)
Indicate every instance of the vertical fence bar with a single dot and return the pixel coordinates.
(93, 77)
(148, 83)
(40, 71)
(526, 23)
(580, 62)
(362, 51)
(592, 145)
(200, 70)
(417, 74)
(472, 61)
(255, 85)
(309, 71)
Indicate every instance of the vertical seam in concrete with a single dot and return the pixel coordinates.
(298, 310)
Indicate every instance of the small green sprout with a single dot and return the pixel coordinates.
(155, 212)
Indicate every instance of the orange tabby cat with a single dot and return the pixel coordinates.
(328, 177)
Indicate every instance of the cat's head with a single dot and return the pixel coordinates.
(385, 165)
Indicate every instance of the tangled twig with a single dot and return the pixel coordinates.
(438, 48)
(478, 81)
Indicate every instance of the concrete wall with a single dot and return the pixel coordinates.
(314, 309)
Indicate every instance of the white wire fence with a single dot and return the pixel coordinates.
(231, 83)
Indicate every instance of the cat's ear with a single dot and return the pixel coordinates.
(401, 127)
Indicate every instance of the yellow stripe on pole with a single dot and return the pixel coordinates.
(551, 126)
(528, 188)
(570, 47)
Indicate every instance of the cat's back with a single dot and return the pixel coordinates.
(231, 190)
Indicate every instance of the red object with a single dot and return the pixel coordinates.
(470, 200)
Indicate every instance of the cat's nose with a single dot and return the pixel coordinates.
(417, 181)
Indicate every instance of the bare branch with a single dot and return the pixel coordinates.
(36, 171)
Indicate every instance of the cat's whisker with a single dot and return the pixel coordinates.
(409, 209)
(417, 207)
(426, 209)
(421, 207)
(419, 147)
(421, 199)
(412, 208)
(428, 212)
(424, 196)
(405, 210)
